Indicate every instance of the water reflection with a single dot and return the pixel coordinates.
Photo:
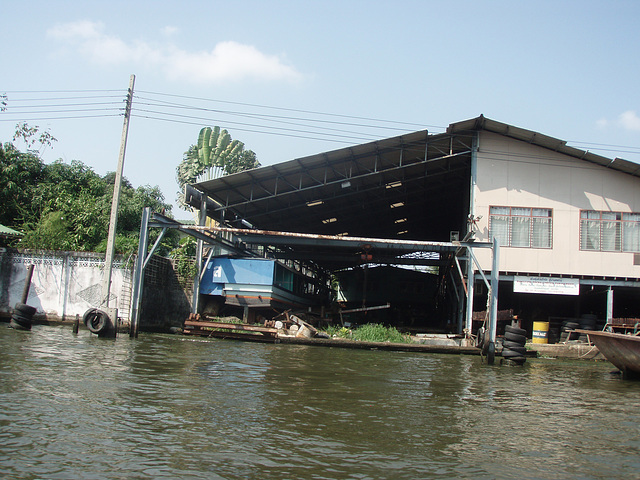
(176, 407)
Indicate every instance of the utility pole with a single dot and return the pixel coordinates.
(106, 281)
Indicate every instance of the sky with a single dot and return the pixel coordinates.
(295, 78)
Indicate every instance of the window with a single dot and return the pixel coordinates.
(521, 226)
(609, 231)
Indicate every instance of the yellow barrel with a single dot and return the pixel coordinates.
(540, 332)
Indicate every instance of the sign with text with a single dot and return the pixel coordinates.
(548, 285)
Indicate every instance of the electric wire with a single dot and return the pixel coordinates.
(273, 118)
(311, 124)
(292, 110)
(191, 117)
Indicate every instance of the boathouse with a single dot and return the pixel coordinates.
(567, 222)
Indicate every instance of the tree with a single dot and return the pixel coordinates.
(32, 135)
(214, 155)
(67, 206)
(19, 172)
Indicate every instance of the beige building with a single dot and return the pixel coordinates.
(568, 222)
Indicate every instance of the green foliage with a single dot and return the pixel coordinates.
(52, 232)
(184, 258)
(374, 332)
(32, 135)
(215, 153)
(369, 332)
(63, 206)
(339, 332)
(19, 173)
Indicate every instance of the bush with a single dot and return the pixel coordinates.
(370, 332)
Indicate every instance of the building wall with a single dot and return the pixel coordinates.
(516, 174)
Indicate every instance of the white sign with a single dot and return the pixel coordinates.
(549, 285)
(217, 271)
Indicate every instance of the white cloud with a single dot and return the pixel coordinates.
(228, 61)
(602, 123)
(629, 120)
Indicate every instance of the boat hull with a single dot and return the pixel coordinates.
(621, 350)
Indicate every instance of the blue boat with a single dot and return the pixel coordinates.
(261, 283)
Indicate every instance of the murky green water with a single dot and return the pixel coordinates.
(79, 407)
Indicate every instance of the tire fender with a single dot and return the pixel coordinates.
(97, 321)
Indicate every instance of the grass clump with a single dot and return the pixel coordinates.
(369, 332)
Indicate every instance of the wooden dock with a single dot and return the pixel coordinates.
(230, 330)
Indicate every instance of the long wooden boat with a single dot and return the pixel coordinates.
(620, 349)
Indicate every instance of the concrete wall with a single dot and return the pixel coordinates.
(516, 174)
(64, 284)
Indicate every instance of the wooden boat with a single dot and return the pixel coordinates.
(621, 349)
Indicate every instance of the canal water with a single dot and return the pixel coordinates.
(161, 406)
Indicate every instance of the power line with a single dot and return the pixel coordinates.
(186, 122)
(293, 110)
(362, 135)
(309, 127)
(274, 118)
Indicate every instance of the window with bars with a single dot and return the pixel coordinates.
(521, 226)
(609, 231)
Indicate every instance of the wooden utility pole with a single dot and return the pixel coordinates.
(106, 281)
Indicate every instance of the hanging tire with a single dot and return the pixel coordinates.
(26, 309)
(96, 320)
(516, 330)
(514, 337)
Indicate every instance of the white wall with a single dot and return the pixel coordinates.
(517, 174)
(63, 284)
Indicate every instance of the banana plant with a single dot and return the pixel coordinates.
(215, 154)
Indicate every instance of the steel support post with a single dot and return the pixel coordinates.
(609, 304)
(472, 212)
(195, 303)
(138, 273)
(470, 291)
(493, 308)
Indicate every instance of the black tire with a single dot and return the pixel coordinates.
(587, 323)
(516, 330)
(95, 320)
(518, 360)
(520, 352)
(510, 344)
(21, 320)
(19, 314)
(514, 337)
(570, 326)
(16, 326)
(26, 309)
